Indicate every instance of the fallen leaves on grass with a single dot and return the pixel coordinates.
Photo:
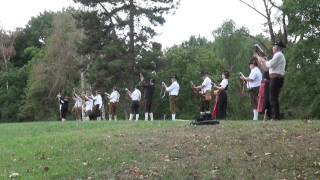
(248, 153)
(167, 159)
(267, 154)
(14, 175)
(136, 172)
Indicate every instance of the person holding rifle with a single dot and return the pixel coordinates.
(77, 108)
(148, 91)
(97, 108)
(276, 67)
(253, 84)
(173, 90)
(114, 98)
(219, 110)
(64, 102)
(205, 93)
(135, 97)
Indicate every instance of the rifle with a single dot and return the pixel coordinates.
(259, 50)
(242, 84)
(163, 91)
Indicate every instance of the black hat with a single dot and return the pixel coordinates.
(204, 73)
(174, 76)
(280, 44)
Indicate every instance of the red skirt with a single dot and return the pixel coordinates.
(261, 97)
(214, 111)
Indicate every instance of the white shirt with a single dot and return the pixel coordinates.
(78, 102)
(277, 64)
(98, 100)
(114, 97)
(256, 77)
(136, 95)
(224, 83)
(173, 89)
(206, 85)
(89, 105)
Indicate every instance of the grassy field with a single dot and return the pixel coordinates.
(160, 150)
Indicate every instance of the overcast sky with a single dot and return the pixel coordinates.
(193, 17)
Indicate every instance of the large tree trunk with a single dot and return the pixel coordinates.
(131, 33)
(6, 67)
(269, 22)
(285, 30)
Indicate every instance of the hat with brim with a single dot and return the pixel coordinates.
(174, 76)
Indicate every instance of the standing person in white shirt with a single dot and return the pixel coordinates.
(88, 108)
(135, 103)
(114, 98)
(97, 102)
(173, 90)
(77, 108)
(205, 92)
(219, 110)
(253, 84)
(276, 67)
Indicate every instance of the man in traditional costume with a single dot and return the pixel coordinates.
(114, 98)
(173, 90)
(135, 97)
(253, 84)
(148, 91)
(276, 67)
(205, 93)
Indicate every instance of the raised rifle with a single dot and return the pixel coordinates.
(163, 91)
(259, 50)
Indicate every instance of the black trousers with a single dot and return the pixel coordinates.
(266, 101)
(135, 107)
(222, 105)
(275, 88)
(64, 113)
(148, 105)
(96, 111)
(205, 106)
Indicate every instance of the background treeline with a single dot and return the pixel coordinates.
(110, 43)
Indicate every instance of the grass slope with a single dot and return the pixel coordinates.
(160, 150)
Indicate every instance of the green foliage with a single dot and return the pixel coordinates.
(54, 69)
(304, 17)
(187, 62)
(110, 44)
(302, 87)
(35, 34)
(11, 99)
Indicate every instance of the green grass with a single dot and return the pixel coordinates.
(161, 150)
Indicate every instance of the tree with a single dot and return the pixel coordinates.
(130, 21)
(6, 49)
(301, 93)
(272, 19)
(35, 34)
(187, 61)
(55, 70)
(235, 50)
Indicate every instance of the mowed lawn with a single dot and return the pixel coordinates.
(160, 150)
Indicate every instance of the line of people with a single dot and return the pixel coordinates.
(264, 89)
(90, 107)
